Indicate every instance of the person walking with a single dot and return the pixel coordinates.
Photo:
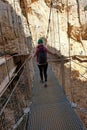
(41, 54)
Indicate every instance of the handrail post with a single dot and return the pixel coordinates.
(63, 73)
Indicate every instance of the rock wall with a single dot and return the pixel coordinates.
(15, 38)
(61, 14)
(14, 34)
(17, 17)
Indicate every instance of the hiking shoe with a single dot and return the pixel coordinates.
(45, 85)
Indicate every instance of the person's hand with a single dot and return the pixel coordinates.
(54, 53)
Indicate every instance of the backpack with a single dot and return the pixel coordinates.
(42, 56)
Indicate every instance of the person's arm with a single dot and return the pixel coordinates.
(50, 52)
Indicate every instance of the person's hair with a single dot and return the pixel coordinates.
(40, 41)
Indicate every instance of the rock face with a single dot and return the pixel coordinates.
(15, 37)
(78, 33)
(64, 23)
(15, 32)
(14, 29)
(74, 32)
(38, 15)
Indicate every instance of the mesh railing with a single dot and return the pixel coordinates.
(14, 103)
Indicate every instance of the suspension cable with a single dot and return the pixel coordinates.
(82, 75)
(71, 91)
(9, 97)
(25, 7)
(53, 31)
(51, 4)
(79, 64)
(16, 83)
(19, 41)
(78, 10)
(58, 30)
(80, 69)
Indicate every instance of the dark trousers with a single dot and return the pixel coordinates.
(43, 71)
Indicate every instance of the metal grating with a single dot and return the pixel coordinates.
(50, 109)
(54, 117)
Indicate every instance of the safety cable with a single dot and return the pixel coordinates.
(18, 29)
(51, 4)
(9, 98)
(50, 32)
(25, 7)
(82, 75)
(78, 11)
(17, 72)
(53, 31)
(84, 72)
(2, 110)
(79, 19)
(58, 30)
(16, 83)
(33, 45)
(79, 64)
(51, 14)
(71, 90)
(52, 28)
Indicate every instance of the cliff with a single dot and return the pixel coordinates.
(67, 20)
(14, 32)
(62, 25)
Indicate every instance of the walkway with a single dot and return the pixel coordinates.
(50, 109)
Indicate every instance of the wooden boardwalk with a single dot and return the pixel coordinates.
(50, 109)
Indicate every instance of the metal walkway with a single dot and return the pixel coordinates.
(50, 109)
